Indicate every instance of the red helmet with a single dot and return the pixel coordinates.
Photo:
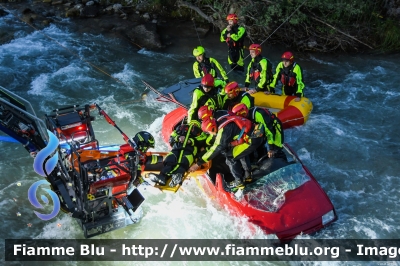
(209, 125)
(204, 112)
(233, 17)
(240, 109)
(255, 47)
(288, 56)
(232, 89)
(207, 80)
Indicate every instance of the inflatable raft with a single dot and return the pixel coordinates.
(289, 111)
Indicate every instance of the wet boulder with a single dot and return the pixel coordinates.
(90, 11)
(3, 13)
(146, 36)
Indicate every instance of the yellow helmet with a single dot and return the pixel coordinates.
(199, 50)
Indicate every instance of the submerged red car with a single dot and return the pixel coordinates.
(285, 199)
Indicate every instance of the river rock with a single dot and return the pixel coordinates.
(145, 36)
(117, 7)
(143, 6)
(73, 12)
(90, 11)
(146, 16)
(5, 37)
(3, 13)
(54, 3)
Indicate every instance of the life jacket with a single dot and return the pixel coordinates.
(244, 124)
(207, 67)
(288, 78)
(255, 70)
(239, 43)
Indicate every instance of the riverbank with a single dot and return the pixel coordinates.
(141, 28)
(154, 26)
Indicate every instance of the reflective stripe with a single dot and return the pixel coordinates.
(237, 150)
(154, 159)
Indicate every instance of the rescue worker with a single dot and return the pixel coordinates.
(184, 141)
(234, 96)
(259, 71)
(207, 111)
(204, 65)
(144, 141)
(234, 36)
(291, 76)
(272, 126)
(233, 140)
(205, 94)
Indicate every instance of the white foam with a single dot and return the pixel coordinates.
(355, 76)
(62, 227)
(304, 154)
(127, 74)
(324, 62)
(153, 54)
(378, 70)
(39, 86)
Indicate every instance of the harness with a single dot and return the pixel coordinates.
(239, 43)
(244, 125)
(255, 70)
(206, 67)
(288, 78)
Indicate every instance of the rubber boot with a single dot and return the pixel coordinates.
(159, 179)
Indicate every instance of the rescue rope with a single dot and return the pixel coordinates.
(274, 31)
(284, 21)
(197, 32)
(73, 53)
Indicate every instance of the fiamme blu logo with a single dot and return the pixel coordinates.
(44, 169)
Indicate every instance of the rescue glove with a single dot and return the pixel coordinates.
(176, 179)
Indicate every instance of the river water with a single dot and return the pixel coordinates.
(350, 143)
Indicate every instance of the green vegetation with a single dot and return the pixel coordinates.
(319, 25)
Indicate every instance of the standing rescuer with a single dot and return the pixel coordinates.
(205, 94)
(205, 65)
(234, 36)
(291, 76)
(259, 71)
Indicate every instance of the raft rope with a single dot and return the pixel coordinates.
(73, 53)
(274, 30)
